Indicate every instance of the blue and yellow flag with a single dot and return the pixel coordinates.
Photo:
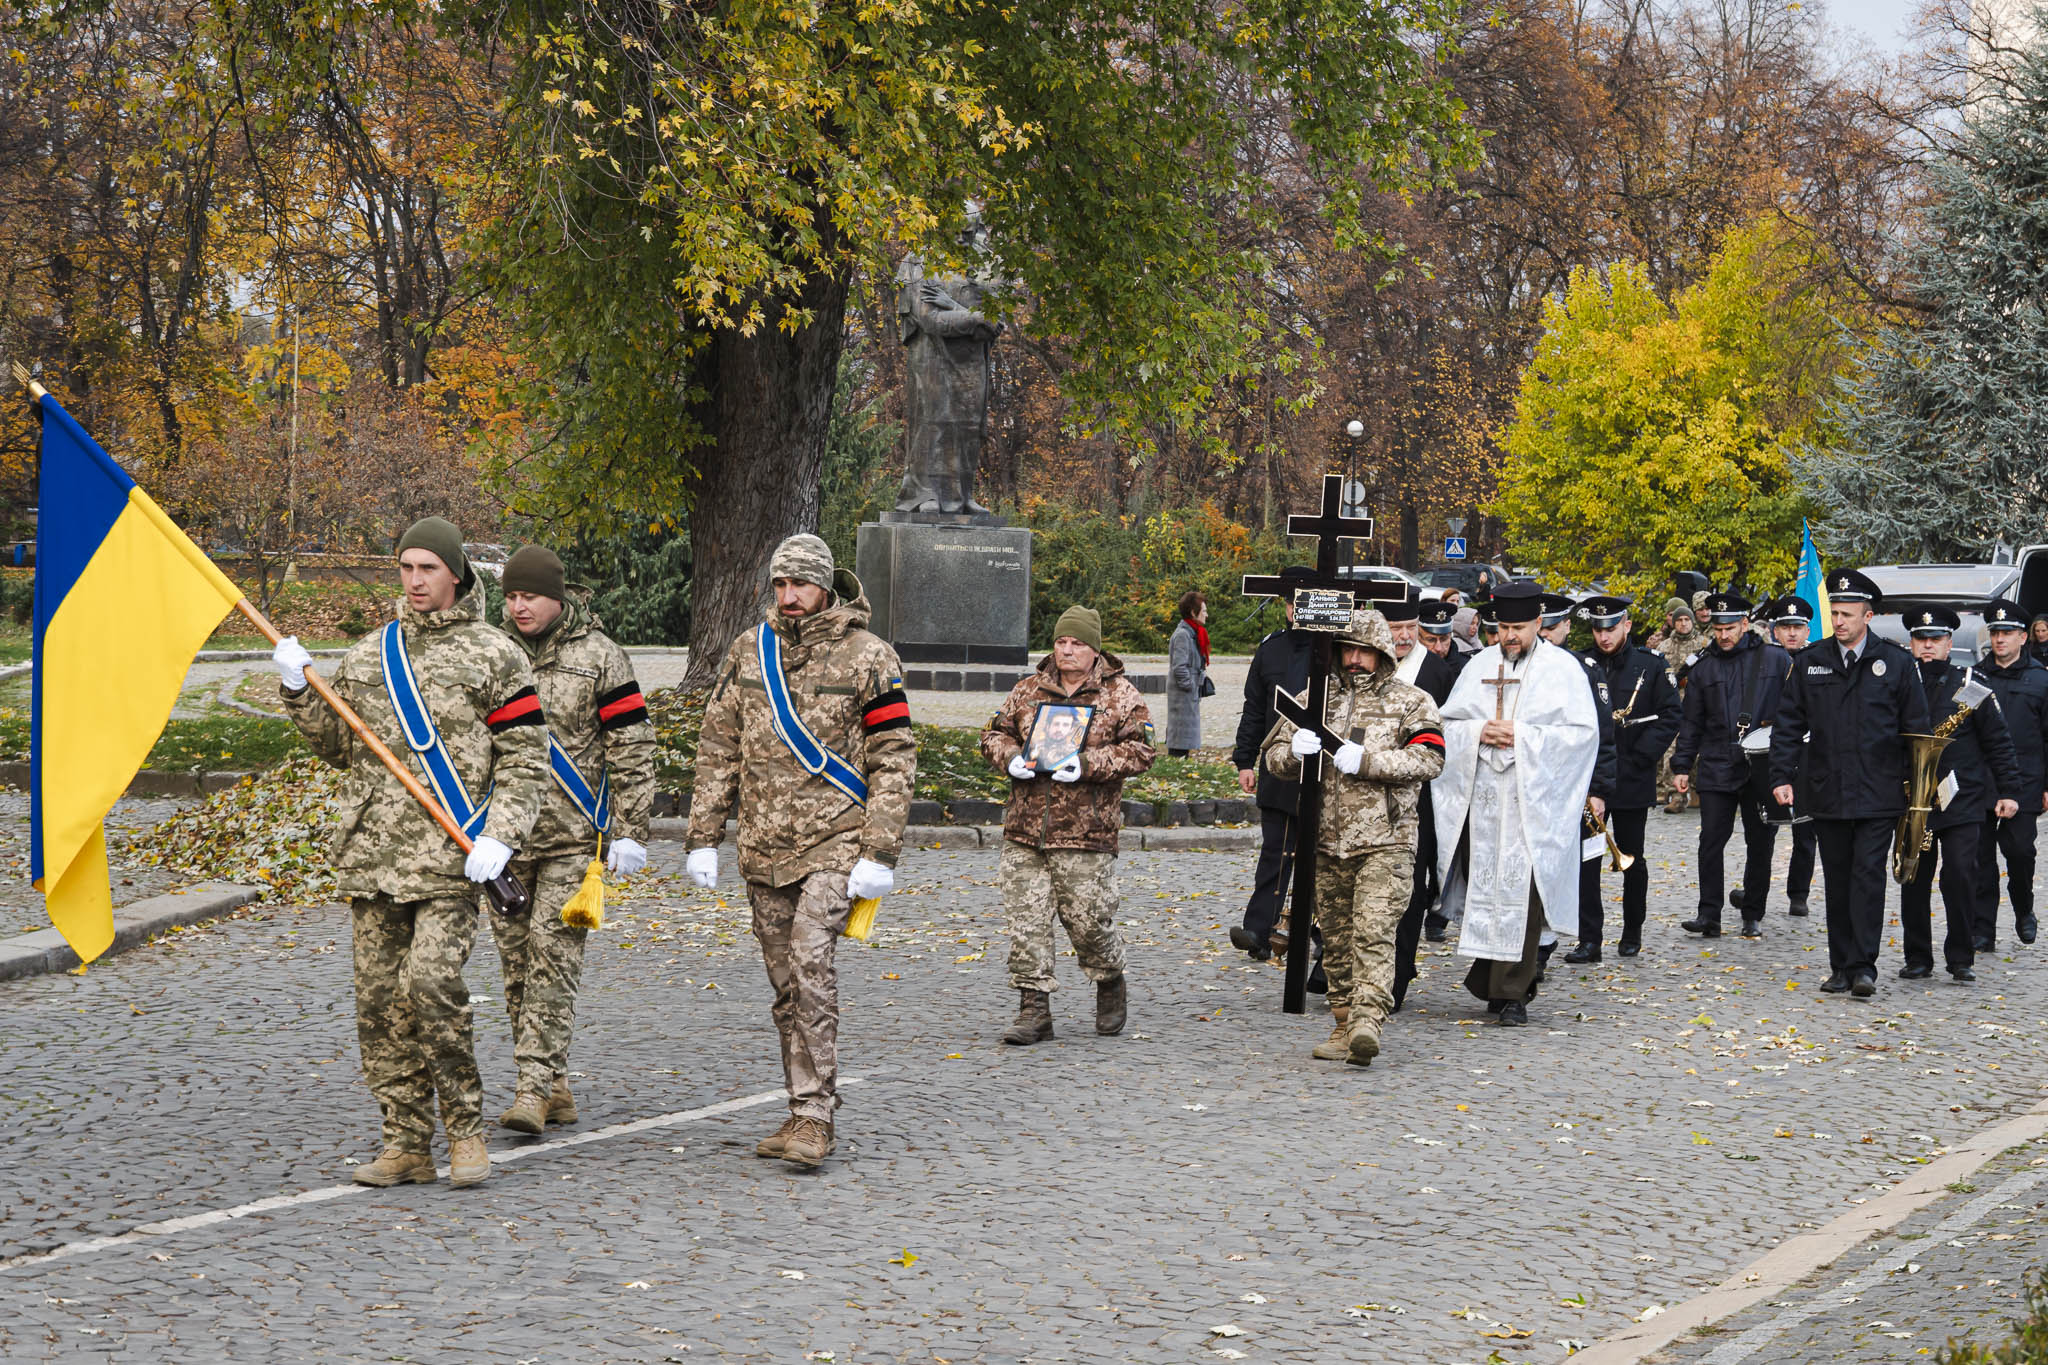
(1812, 584)
(122, 602)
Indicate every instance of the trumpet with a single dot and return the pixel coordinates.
(1620, 862)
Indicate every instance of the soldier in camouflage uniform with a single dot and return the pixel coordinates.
(596, 714)
(412, 894)
(1365, 848)
(807, 848)
(1060, 829)
(1684, 640)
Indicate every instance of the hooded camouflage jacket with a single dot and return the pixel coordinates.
(479, 690)
(593, 706)
(847, 686)
(1087, 814)
(1403, 739)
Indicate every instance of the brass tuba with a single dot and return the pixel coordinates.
(1924, 779)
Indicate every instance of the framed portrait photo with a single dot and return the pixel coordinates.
(1058, 730)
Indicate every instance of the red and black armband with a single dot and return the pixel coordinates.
(890, 711)
(620, 707)
(1428, 735)
(521, 708)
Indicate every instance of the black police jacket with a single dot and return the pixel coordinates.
(2023, 697)
(1604, 764)
(1435, 676)
(1281, 660)
(1980, 756)
(1854, 723)
(1637, 679)
(1719, 710)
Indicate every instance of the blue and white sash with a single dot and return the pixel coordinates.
(816, 758)
(422, 738)
(596, 806)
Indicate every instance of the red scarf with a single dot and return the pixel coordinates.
(1201, 638)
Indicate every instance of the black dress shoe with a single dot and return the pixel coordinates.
(1836, 984)
(1752, 928)
(1735, 898)
(1864, 985)
(1585, 952)
(1251, 943)
(1962, 973)
(1495, 1006)
(1798, 910)
(1433, 927)
(1629, 948)
(1514, 1014)
(1984, 944)
(2026, 929)
(1916, 971)
(1704, 928)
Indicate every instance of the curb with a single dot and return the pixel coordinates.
(147, 782)
(45, 950)
(246, 656)
(1196, 838)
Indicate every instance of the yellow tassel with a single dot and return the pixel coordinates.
(860, 922)
(585, 909)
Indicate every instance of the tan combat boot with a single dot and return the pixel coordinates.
(809, 1142)
(1364, 1044)
(469, 1161)
(1034, 1019)
(528, 1114)
(1337, 1046)
(772, 1145)
(561, 1104)
(396, 1166)
(1112, 1002)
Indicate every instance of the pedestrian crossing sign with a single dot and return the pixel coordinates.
(1454, 547)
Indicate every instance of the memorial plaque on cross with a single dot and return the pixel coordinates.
(1315, 599)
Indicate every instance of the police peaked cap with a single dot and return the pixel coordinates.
(1407, 609)
(2004, 614)
(1297, 573)
(1602, 611)
(1523, 599)
(1436, 617)
(1725, 608)
(1790, 609)
(1850, 585)
(1932, 621)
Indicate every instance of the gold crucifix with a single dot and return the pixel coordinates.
(1500, 682)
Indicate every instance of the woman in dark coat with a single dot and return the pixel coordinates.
(1187, 675)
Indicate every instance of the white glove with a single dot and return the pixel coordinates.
(1348, 757)
(487, 858)
(1021, 770)
(702, 865)
(1069, 771)
(625, 857)
(869, 881)
(1306, 742)
(291, 659)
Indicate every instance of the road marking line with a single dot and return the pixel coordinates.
(1794, 1259)
(1761, 1335)
(170, 1227)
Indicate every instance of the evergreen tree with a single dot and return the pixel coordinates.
(1944, 427)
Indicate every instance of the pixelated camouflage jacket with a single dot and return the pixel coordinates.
(847, 686)
(477, 686)
(1676, 649)
(1087, 814)
(1404, 747)
(593, 706)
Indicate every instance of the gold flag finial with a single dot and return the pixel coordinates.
(23, 377)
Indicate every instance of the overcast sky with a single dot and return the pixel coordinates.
(1884, 22)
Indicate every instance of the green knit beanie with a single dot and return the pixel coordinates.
(1083, 624)
(535, 569)
(440, 539)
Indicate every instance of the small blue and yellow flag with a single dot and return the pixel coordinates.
(1812, 584)
(123, 600)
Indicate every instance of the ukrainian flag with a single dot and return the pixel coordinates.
(1812, 584)
(122, 602)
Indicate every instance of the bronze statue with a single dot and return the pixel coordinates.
(949, 343)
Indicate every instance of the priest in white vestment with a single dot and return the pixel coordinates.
(1520, 737)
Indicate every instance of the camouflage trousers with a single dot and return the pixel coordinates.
(1359, 904)
(542, 960)
(798, 927)
(412, 1015)
(1080, 888)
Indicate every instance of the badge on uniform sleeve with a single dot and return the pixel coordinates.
(1877, 668)
(1148, 732)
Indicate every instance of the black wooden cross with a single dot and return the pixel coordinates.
(1328, 527)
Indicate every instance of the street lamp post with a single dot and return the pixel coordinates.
(1353, 430)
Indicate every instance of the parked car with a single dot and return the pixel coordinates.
(1965, 589)
(1463, 577)
(1387, 573)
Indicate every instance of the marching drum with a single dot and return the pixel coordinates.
(1756, 747)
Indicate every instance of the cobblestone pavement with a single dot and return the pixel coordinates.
(1196, 1189)
(21, 905)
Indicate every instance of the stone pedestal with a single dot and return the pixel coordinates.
(947, 590)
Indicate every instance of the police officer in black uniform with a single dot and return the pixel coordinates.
(1734, 687)
(2011, 670)
(1791, 618)
(1281, 660)
(1854, 698)
(1435, 621)
(1985, 773)
(1644, 707)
